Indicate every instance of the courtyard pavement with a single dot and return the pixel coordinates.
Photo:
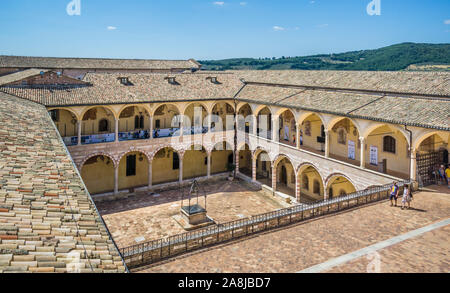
(147, 217)
(299, 247)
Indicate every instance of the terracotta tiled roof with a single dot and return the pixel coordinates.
(107, 89)
(48, 222)
(19, 75)
(414, 111)
(428, 83)
(94, 63)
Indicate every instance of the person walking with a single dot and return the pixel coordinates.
(447, 174)
(394, 194)
(441, 173)
(407, 197)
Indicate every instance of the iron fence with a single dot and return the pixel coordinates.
(157, 250)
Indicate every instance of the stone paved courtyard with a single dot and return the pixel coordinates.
(148, 217)
(304, 245)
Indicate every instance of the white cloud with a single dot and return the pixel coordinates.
(447, 21)
(278, 28)
(243, 3)
(111, 28)
(219, 3)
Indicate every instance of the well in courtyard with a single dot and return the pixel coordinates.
(146, 217)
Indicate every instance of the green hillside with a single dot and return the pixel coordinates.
(405, 56)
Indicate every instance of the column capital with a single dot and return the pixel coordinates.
(362, 139)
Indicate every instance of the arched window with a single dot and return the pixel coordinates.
(316, 187)
(389, 144)
(103, 125)
(305, 182)
(139, 122)
(342, 193)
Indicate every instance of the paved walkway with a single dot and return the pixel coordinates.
(317, 241)
(145, 217)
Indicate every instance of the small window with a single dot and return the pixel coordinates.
(103, 125)
(131, 165)
(158, 123)
(175, 161)
(389, 144)
(124, 80)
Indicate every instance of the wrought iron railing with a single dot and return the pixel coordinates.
(156, 250)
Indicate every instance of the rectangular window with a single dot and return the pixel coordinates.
(176, 162)
(131, 165)
(158, 123)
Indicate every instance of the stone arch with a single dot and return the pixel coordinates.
(77, 116)
(211, 108)
(159, 105)
(306, 115)
(336, 120)
(109, 108)
(374, 127)
(351, 188)
(333, 176)
(171, 173)
(143, 105)
(133, 150)
(153, 154)
(205, 106)
(259, 108)
(111, 157)
(310, 194)
(240, 105)
(419, 140)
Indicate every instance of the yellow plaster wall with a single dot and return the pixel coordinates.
(98, 177)
(219, 161)
(341, 184)
(65, 126)
(90, 127)
(398, 162)
(311, 141)
(162, 171)
(311, 177)
(194, 164)
(127, 124)
(141, 177)
(341, 150)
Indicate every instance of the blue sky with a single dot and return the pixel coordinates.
(201, 29)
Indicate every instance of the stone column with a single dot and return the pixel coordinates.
(275, 128)
(116, 129)
(151, 127)
(181, 170)
(209, 122)
(79, 123)
(255, 125)
(274, 178)
(181, 126)
(297, 136)
(209, 165)
(327, 143)
(413, 174)
(297, 187)
(116, 179)
(362, 156)
(236, 161)
(150, 176)
(254, 168)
